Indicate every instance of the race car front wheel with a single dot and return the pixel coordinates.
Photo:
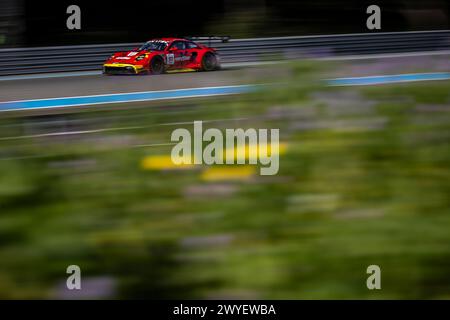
(156, 66)
(209, 62)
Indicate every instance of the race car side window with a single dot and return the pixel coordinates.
(180, 45)
(191, 45)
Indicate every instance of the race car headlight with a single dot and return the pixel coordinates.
(141, 57)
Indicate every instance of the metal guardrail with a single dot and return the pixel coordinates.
(17, 61)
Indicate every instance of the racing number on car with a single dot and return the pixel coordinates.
(170, 58)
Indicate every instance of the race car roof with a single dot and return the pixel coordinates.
(167, 39)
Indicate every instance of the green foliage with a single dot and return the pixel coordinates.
(365, 180)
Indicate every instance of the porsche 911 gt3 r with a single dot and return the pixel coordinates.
(163, 55)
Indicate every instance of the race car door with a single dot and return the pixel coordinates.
(174, 58)
(190, 54)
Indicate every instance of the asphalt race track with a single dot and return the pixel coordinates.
(100, 84)
(357, 71)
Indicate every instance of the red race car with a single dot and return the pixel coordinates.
(164, 55)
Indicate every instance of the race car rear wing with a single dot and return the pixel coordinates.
(209, 38)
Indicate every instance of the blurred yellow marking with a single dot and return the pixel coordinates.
(163, 163)
(228, 173)
(247, 152)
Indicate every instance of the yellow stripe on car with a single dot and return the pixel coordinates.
(124, 65)
(181, 70)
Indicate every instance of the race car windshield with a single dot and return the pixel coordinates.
(154, 45)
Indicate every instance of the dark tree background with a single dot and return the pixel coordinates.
(43, 22)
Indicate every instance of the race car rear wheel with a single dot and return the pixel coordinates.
(156, 65)
(209, 62)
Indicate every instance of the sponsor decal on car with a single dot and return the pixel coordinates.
(183, 58)
(170, 58)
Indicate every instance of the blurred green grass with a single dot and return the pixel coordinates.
(365, 180)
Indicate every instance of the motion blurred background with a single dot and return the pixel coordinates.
(43, 22)
(364, 170)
